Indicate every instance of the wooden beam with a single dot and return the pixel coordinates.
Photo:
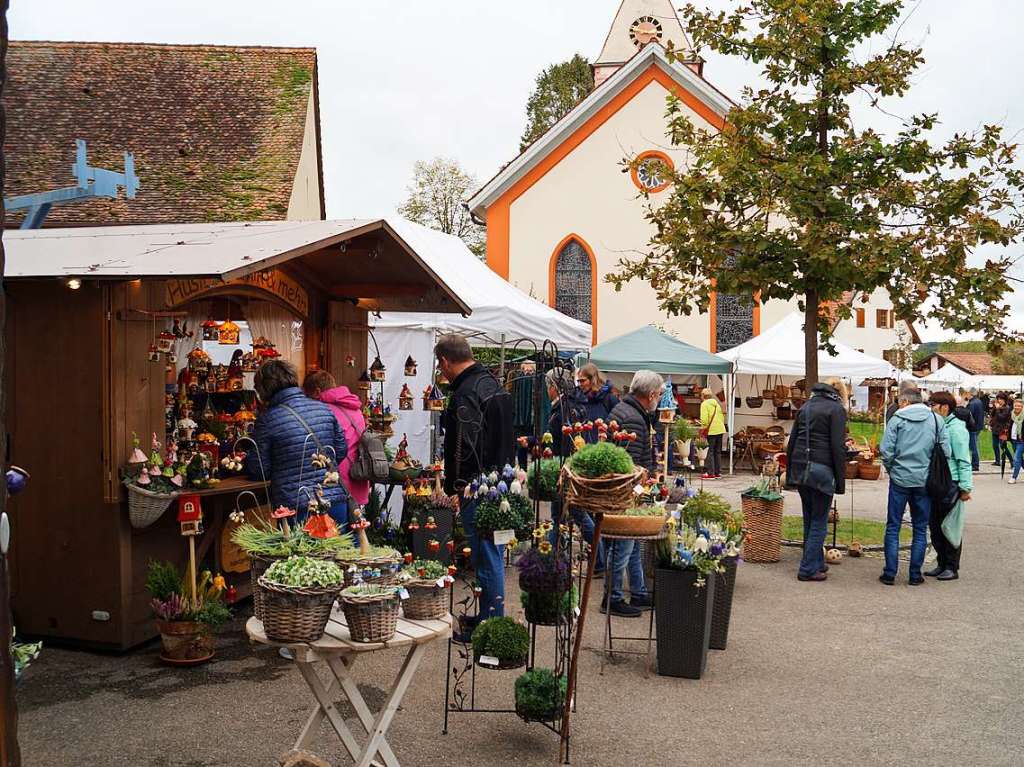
(375, 290)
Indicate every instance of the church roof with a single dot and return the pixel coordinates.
(216, 131)
(619, 48)
(652, 55)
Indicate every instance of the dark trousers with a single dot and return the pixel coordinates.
(948, 554)
(713, 465)
(815, 507)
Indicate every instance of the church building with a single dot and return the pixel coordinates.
(563, 213)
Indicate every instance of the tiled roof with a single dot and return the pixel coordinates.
(975, 363)
(216, 131)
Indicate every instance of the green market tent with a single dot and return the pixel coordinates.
(647, 348)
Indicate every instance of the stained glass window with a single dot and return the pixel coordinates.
(734, 321)
(574, 282)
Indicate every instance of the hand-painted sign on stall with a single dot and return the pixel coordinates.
(272, 281)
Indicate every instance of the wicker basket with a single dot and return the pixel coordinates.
(427, 601)
(852, 469)
(293, 614)
(621, 524)
(387, 565)
(371, 618)
(146, 507)
(764, 529)
(604, 494)
(259, 564)
(869, 470)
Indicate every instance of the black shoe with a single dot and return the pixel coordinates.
(818, 576)
(996, 464)
(888, 580)
(642, 603)
(947, 575)
(622, 609)
(935, 571)
(916, 581)
(824, 569)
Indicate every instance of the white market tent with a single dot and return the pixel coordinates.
(946, 377)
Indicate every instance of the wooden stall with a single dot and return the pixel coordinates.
(85, 306)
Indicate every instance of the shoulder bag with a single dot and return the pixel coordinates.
(940, 486)
(817, 476)
(371, 462)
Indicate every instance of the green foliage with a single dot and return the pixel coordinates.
(493, 515)
(501, 638)
(369, 590)
(762, 489)
(706, 506)
(1010, 360)
(304, 572)
(644, 511)
(540, 694)
(548, 470)
(272, 542)
(799, 200)
(568, 599)
(435, 199)
(683, 430)
(162, 580)
(558, 89)
(432, 570)
(601, 459)
(23, 654)
(212, 612)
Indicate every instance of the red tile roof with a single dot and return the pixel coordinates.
(975, 363)
(216, 131)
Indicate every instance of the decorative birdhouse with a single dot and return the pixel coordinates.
(405, 398)
(154, 353)
(667, 404)
(165, 341)
(377, 370)
(190, 515)
(410, 366)
(435, 400)
(210, 328)
(227, 333)
(364, 381)
(350, 360)
(198, 361)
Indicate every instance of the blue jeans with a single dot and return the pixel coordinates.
(997, 448)
(1018, 456)
(622, 555)
(975, 455)
(920, 509)
(583, 521)
(815, 507)
(489, 563)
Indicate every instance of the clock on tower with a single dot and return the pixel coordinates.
(644, 30)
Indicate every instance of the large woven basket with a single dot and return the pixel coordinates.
(604, 494)
(427, 601)
(387, 565)
(869, 471)
(292, 614)
(146, 507)
(371, 618)
(259, 564)
(621, 524)
(763, 521)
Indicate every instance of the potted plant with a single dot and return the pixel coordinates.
(868, 467)
(683, 432)
(23, 653)
(702, 447)
(600, 477)
(371, 611)
(545, 577)
(762, 509)
(186, 621)
(503, 511)
(426, 582)
(549, 609)
(640, 520)
(540, 695)
(542, 479)
(298, 595)
(686, 565)
(500, 643)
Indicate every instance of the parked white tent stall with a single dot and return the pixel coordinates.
(778, 353)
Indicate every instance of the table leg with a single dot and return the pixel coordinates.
(326, 708)
(398, 690)
(342, 670)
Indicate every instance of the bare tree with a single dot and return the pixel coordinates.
(436, 197)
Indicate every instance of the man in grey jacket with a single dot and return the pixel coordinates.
(910, 437)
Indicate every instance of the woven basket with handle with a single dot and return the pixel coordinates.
(296, 614)
(371, 617)
(259, 564)
(604, 494)
(763, 521)
(146, 507)
(388, 567)
(427, 601)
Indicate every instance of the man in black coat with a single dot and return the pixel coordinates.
(634, 413)
(478, 438)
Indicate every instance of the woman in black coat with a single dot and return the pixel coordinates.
(816, 466)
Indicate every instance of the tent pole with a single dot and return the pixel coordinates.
(731, 381)
(501, 366)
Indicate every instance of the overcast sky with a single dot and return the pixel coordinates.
(403, 80)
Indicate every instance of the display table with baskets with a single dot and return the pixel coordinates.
(338, 651)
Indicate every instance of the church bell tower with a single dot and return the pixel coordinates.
(638, 23)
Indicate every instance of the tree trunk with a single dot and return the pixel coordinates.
(10, 755)
(811, 338)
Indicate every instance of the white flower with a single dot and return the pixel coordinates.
(701, 544)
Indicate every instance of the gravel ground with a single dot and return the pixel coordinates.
(846, 670)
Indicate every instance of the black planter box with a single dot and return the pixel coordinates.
(722, 611)
(443, 518)
(683, 612)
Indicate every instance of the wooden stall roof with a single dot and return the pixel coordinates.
(351, 258)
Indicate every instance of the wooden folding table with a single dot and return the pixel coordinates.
(339, 652)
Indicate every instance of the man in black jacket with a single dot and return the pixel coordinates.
(633, 413)
(478, 438)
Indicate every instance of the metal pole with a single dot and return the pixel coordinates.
(501, 366)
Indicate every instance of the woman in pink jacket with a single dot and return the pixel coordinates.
(348, 410)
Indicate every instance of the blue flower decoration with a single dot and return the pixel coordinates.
(493, 494)
(502, 487)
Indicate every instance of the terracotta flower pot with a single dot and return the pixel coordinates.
(185, 642)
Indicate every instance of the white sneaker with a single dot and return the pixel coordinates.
(1011, 481)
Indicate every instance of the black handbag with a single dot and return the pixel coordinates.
(940, 485)
(817, 476)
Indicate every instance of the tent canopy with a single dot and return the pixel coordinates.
(648, 348)
(498, 307)
(780, 351)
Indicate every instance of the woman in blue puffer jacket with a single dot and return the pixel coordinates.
(285, 449)
(593, 399)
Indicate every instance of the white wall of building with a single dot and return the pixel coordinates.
(304, 203)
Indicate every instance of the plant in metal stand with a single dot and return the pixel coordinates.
(540, 695)
(501, 643)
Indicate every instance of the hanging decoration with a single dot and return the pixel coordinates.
(227, 334)
(377, 370)
(405, 398)
(433, 399)
(364, 381)
(350, 360)
(165, 342)
(210, 330)
(410, 366)
(264, 349)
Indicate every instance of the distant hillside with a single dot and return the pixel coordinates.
(931, 347)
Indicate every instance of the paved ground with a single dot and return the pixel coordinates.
(847, 671)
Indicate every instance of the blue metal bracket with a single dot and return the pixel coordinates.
(92, 182)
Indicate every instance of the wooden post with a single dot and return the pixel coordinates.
(192, 571)
(10, 754)
(668, 448)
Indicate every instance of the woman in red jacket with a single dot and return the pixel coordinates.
(348, 410)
